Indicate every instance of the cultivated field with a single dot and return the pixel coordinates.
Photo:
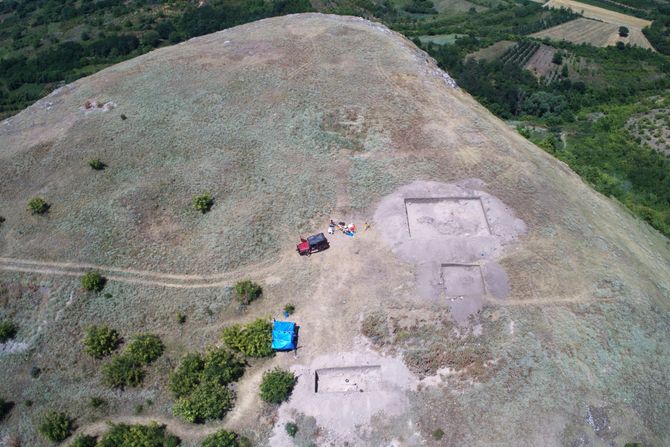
(600, 34)
(492, 51)
(595, 12)
(540, 63)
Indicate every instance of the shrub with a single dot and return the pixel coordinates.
(56, 426)
(438, 434)
(100, 341)
(252, 340)
(557, 58)
(96, 164)
(123, 370)
(8, 330)
(187, 375)
(5, 408)
(277, 385)
(246, 291)
(152, 435)
(289, 309)
(38, 205)
(623, 31)
(291, 429)
(35, 372)
(93, 282)
(2, 220)
(203, 202)
(208, 401)
(84, 441)
(145, 348)
(223, 438)
(97, 402)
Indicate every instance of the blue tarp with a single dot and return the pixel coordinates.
(283, 335)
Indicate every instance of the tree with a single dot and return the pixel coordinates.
(151, 39)
(277, 385)
(223, 438)
(187, 375)
(8, 330)
(246, 291)
(208, 401)
(38, 205)
(145, 348)
(623, 31)
(252, 340)
(93, 282)
(56, 426)
(557, 58)
(100, 341)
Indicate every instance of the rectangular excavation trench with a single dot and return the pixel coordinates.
(463, 280)
(347, 379)
(435, 217)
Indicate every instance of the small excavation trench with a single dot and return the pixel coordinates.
(348, 379)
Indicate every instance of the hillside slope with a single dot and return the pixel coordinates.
(288, 122)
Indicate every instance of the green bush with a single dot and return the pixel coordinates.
(246, 291)
(56, 426)
(438, 434)
(223, 438)
(208, 401)
(96, 164)
(152, 435)
(291, 429)
(8, 330)
(100, 341)
(5, 408)
(38, 205)
(252, 340)
(93, 282)
(84, 441)
(187, 375)
(145, 348)
(203, 202)
(277, 385)
(123, 370)
(289, 309)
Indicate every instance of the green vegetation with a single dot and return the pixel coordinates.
(659, 32)
(152, 435)
(223, 438)
(277, 385)
(38, 205)
(145, 348)
(252, 340)
(121, 371)
(208, 401)
(200, 385)
(84, 441)
(97, 402)
(289, 309)
(180, 317)
(291, 428)
(247, 291)
(5, 408)
(96, 164)
(100, 341)
(438, 434)
(203, 202)
(623, 31)
(8, 330)
(93, 282)
(56, 426)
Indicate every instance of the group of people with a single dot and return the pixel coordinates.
(348, 229)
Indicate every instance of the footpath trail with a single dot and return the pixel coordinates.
(187, 432)
(132, 276)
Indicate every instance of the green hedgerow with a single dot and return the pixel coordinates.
(223, 438)
(84, 441)
(56, 426)
(291, 429)
(152, 435)
(93, 282)
(208, 401)
(277, 385)
(252, 340)
(100, 341)
(246, 291)
(38, 205)
(145, 348)
(203, 202)
(96, 164)
(8, 330)
(123, 370)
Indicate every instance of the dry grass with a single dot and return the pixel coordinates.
(595, 12)
(492, 51)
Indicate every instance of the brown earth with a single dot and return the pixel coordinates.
(289, 122)
(594, 32)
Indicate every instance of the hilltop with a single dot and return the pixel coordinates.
(495, 298)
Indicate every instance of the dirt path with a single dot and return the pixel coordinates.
(187, 432)
(132, 276)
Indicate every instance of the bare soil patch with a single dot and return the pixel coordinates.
(540, 63)
(446, 216)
